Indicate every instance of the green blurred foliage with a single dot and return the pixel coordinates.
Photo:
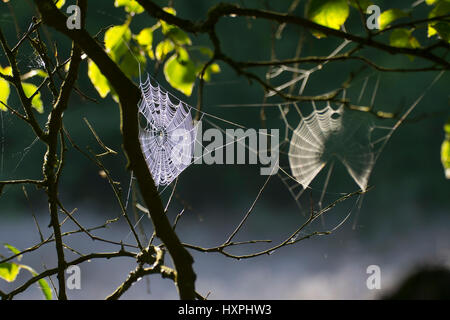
(442, 7)
(131, 6)
(445, 150)
(131, 51)
(4, 88)
(403, 38)
(389, 16)
(177, 53)
(328, 13)
(29, 89)
(10, 270)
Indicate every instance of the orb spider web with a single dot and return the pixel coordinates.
(167, 133)
(324, 135)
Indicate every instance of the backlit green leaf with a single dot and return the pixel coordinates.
(178, 36)
(445, 151)
(13, 250)
(99, 81)
(4, 93)
(163, 49)
(443, 29)
(329, 13)
(145, 39)
(180, 74)
(116, 39)
(206, 51)
(4, 87)
(130, 62)
(403, 38)
(9, 271)
(45, 288)
(36, 103)
(43, 284)
(131, 6)
(442, 8)
(60, 3)
(213, 68)
(389, 16)
(164, 25)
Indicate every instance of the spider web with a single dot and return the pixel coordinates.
(324, 135)
(168, 134)
(303, 75)
(330, 133)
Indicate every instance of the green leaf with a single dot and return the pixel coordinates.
(443, 29)
(430, 2)
(36, 103)
(9, 271)
(45, 288)
(178, 36)
(131, 6)
(13, 250)
(170, 10)
(389, 16)
(442, 8)
(328, 13)
(206, 51)
(163, 49)
(129, 63)
(164, 25)
(183, 55)
(445, 150)
(60, 3)
(116, 39)
(145, 39)
(4, 93)
(43, 284)
(6, 71)
(445, 157)
(4, 87)
(213, 68)
(403, 38)
(99, 81)
(180, 74)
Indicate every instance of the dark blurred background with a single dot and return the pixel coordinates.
(403, 222)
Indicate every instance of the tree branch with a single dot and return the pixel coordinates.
(226, 9)
(129, 97)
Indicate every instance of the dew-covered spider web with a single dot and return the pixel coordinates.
(320, 135)
(167, 133)
(327, 135)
